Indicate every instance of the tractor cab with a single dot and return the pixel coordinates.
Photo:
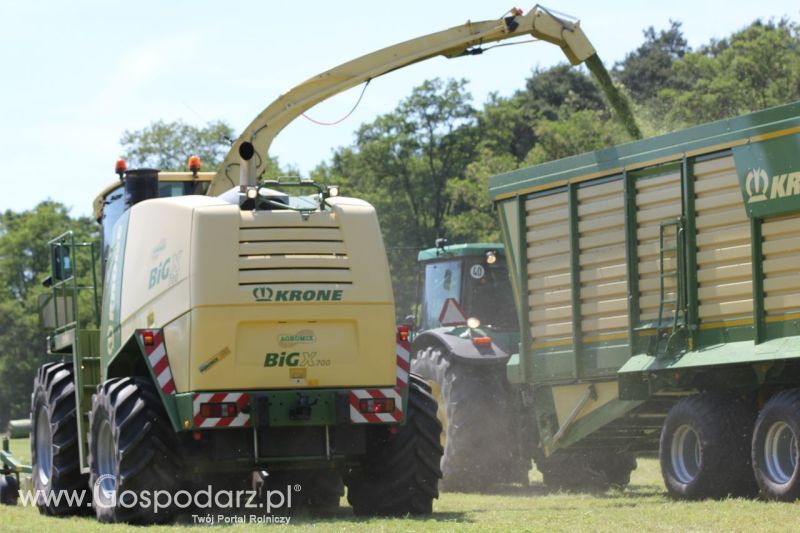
(465, 281)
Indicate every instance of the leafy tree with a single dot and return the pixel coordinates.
(559, 91)
(755, 68)
(403, 163)
(648, 69)
(168, 145)
(24, 262)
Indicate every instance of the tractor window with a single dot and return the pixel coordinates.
(488, 295)
(442, 281)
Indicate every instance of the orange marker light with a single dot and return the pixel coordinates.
(120, 166)
(194, 163)
(148, 338)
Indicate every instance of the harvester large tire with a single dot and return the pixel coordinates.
(54, 443)
(475, 410)
(9, 490)
(775, 447)
(400, 471)
(705, 448)
(133, 452)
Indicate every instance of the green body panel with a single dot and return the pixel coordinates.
(742, 354)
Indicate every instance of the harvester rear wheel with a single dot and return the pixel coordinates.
(775, 456)
(705, 448)
(475, 408)
(133, 452)
(400, 471)
(54, 443)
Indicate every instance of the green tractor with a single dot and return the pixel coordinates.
(465, 333)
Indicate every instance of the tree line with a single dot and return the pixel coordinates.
(425, 165)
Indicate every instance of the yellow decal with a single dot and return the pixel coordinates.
(214, 359)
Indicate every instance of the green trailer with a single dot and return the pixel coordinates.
(658, 294)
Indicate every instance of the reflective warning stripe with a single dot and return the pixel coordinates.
(158, 360)
(240, 420)
(358, 417)
(403, 363)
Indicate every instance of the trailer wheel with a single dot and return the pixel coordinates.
(9, 490)
(474, 409)
(54, 443)
(704, 448)
(775, 451)
(400, 471)
(133, 452)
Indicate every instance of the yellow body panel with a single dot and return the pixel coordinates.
(262, 300)
(567, 397)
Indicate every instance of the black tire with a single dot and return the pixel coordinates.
(137, 448)
(705, 448)
(774, 447)
(587, 470)
(9, 490)
(400, 471)
(475, 402)
(54, 445)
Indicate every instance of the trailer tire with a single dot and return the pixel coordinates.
(704, 449)
(400, 471)
(475, 410)
(9, 490)
(54, 442)
(775, 447)
(133, 450)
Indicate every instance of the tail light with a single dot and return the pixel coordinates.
(376, 405)
(402, 333)
(218, 410)
(482, 341)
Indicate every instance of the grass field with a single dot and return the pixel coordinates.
(643, 506)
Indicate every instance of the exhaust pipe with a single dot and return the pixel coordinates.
(247, 169)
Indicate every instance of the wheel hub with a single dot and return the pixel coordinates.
(685, 454)
(106, 459)
(780, 453)
(44, 446)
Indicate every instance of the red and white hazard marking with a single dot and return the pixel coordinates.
(158, 361)
(403, 367)
(357, 417)
(403, 363)
(241, 419)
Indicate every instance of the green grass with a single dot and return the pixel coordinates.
(643, 506)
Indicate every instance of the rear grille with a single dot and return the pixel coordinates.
(293, 254)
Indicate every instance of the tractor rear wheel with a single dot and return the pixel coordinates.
(705, 448)
(587, 470)
(400, 471)
(133, 452)
(775, 450)
(474, 408)
(54, 443)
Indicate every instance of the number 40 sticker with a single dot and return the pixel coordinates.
(477, 271)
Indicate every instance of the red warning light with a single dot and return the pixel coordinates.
(120, 166)
(194, 163)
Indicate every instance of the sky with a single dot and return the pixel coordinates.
(75, 75)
